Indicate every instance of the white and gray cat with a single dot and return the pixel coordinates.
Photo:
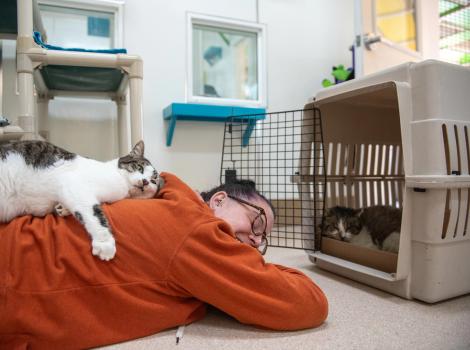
(376, 227)
(36, 177)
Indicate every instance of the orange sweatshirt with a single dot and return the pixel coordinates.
(173, 257)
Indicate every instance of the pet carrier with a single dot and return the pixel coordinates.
(397, 137)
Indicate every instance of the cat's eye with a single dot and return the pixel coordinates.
(153, 181)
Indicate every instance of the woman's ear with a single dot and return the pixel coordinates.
(217, 200)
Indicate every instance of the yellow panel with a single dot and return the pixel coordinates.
(398, 28)
(411, 45)
(389, 6)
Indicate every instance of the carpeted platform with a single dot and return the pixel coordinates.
(360, 317)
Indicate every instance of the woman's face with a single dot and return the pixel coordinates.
(240, 216)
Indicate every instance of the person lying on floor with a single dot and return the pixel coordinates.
(175, 254)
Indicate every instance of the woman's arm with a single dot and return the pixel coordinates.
(214, 267)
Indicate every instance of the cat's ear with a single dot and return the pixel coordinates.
(358, 212)
(320, 226)
(332, 211)
(138, 150)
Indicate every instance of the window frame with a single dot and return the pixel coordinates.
(226, 23)
(116, 7)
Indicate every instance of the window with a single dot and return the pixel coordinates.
(454, 43)
(82, 24)
(226, 62)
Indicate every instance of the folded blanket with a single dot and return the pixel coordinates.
(38, 40)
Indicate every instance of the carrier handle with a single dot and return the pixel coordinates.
(437, 181)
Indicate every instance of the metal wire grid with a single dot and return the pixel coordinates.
(284, 156)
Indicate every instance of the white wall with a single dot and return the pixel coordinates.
(88, 127)
(304, 39)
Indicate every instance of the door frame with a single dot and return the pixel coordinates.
(427, 33)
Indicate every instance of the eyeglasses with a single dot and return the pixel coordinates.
(258, 225)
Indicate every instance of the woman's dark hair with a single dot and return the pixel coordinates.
(245, 189)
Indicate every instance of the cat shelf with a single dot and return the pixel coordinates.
(10, 132)
(211, 113)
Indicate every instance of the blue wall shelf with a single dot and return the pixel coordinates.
(211, 113)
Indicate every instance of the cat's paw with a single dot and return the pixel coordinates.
(105, 248)
(60, 210)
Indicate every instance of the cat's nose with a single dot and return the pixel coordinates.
(144, 182)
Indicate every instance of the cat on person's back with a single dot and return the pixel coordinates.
(38, 178)
(376, 227)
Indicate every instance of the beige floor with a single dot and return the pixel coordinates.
(360, 317)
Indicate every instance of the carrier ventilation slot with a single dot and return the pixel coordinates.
(361, 175)
(457, 160)
(467, 147)
(459, 171)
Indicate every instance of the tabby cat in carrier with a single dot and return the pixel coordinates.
(37, 177)
(376, 227)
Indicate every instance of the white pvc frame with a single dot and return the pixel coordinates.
(31, 57)
(259, 29)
